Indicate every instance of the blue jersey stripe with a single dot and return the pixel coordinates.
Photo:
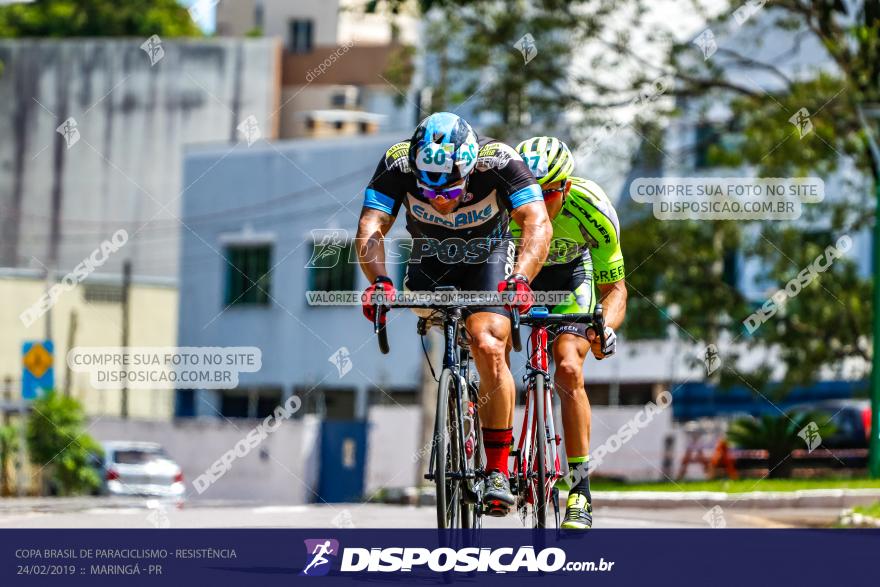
(527, 195)
(378, 201)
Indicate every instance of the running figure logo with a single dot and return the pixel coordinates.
(319, 552)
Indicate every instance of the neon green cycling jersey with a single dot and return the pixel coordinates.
(587, 226)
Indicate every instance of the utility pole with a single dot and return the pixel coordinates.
(428, 401)
(874, 446)
(20, 475)
(71, 341)
(126, 297)
(47, 323)
(7, 400)
(5, 484)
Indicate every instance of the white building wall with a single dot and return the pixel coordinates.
(283, 469)
(335, 22)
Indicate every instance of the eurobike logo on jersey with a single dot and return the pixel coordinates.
(319, 551)
(398, 559)
(466, 216)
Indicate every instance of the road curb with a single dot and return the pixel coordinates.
(804, 498)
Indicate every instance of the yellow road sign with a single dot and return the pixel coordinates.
(37, 360)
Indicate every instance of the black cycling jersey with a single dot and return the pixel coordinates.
(499, 183)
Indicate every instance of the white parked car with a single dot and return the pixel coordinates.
(140, 469)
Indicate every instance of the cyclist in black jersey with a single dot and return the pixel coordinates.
(459, 191)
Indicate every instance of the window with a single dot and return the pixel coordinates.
(300, 36)
(185, 403)
(234, 404)
(707, 136)
(250, 403)
(139, 456)
(731, 269)
(364, 127)
(247, 275)
(258, 14)
(339, 124)
(330, 403)
(103, 293)
(339, 100)
(337, 270)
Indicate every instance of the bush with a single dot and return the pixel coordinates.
(59, 446)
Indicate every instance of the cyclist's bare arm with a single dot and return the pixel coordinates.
(372, 228)
(536, 234)
(613, 298)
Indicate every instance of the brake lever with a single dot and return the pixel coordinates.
(599, 325)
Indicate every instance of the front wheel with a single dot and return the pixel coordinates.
(538, 473)
(446, 454)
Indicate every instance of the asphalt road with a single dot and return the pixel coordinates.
(156, 515)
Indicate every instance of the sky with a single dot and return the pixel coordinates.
(204, 13)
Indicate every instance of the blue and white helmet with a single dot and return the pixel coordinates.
(443, 150)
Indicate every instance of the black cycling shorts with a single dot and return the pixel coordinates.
(436, 271)
(575, 277)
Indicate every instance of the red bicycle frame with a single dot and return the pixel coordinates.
(539, 363)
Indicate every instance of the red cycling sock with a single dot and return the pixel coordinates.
(497, 443)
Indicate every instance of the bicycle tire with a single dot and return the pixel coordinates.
(455, 488)
(442, 443)
(540, 498)
(467, 511)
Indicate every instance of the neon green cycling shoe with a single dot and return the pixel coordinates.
(578, 513)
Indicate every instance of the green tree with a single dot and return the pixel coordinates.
(681, 272)
(97, 18)
(59, 446)
(828, 323)
(508, 59)
(8, 446)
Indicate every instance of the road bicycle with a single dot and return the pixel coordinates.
(456, 463)
(537, 464)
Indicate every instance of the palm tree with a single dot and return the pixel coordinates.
(779, 435)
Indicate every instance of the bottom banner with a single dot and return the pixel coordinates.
(336, 557)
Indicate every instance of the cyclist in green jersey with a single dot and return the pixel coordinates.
(585, 250)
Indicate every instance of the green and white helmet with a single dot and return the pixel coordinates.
(548, 158)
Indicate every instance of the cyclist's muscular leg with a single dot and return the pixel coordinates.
(489, 334)
(569, 353)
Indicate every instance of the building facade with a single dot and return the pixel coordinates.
(93, 136)
(346, 72)
(89, 315)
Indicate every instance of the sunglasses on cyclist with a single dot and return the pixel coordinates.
(552, 192)
(452, 193)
